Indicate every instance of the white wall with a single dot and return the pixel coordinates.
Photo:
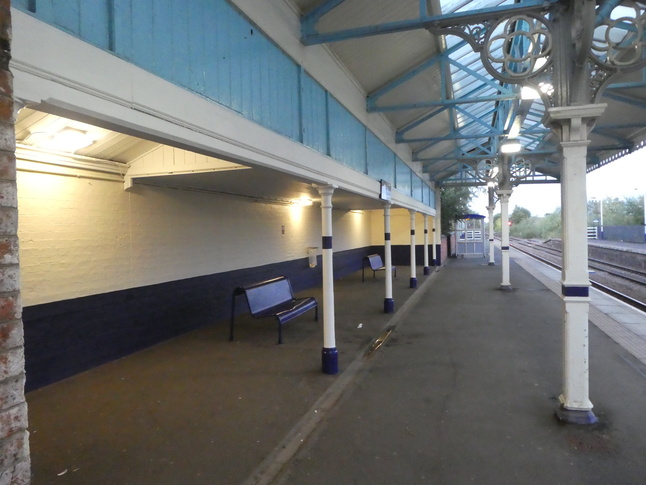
(83, 236)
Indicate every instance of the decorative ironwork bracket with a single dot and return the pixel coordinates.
(520, 48)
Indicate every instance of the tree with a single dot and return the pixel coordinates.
(616, 212)
(497, 222)
(455, 202)
(519, 215)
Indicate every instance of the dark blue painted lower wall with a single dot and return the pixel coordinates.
(633, 234)
(67, 337)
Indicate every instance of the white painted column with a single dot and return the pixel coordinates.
(413, 262)
(437, 229)
(426, 268)
(490, 209)
(330, 355)
(504, 195)
(389, 303)
(572, 125)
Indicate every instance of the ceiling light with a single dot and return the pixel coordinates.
(510, 147)
(66, 140)
(71, 140)
(302, 202)
(514, 131)
(546, 88)
(527, 93)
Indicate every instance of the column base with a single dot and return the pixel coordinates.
(505, 287)
(491, 264)
(330, 361)
(575, 416)
(413, 282)
(389, 305)
(427, 271)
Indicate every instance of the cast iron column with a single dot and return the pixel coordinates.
(413, 262)
(437, 228)
(426, 268)
(389, 303)
(504, 195)
(572, 123)
(330, 355)
(490, 208)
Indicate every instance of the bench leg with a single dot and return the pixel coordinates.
(280, 333)
(316, 313)
(233, 316)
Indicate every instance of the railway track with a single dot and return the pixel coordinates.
(625, 284)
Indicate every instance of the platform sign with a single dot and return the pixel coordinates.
(385, 191)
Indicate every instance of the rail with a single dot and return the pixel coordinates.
(531, 249)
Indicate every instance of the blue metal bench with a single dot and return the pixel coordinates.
(376, 264)
(273, 298)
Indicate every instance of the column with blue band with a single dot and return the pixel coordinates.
(329, 354)
(389, 302)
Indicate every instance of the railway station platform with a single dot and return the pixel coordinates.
(619, 245)
(462, 391)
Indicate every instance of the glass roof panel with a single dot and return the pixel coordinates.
(480, 126)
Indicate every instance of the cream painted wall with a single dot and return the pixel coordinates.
(81, 236)
(399, 227)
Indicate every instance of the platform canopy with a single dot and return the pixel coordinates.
(460, 79)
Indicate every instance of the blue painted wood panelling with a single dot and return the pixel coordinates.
(197, 55)
(144, 45)
(431, 197)
(211, 48)
(67, 17)
(21, 4)
(403, 178)
(181, 45)
(381, 159)
(347, 137)
(314, 121)
(417, 187)
(122, 28)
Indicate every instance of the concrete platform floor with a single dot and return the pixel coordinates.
(463, 391)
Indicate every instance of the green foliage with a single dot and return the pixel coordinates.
(616, 212)
(538, 227)
(519, 215)
(455, 202)
(497, 224)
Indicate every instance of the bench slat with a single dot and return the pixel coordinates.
(262, 298)
(376, 264)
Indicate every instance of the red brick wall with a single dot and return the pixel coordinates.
(14, 441)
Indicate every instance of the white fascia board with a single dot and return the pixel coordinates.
(56, 71)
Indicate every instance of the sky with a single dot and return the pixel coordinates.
(625, 177)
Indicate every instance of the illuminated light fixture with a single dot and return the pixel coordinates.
(510, 147)
(546, 88)
(302, 202)
(527, 93)
(66, 140)
(491, 184)
(514, 131)
(70, 140)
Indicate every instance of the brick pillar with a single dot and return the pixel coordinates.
(14, 438)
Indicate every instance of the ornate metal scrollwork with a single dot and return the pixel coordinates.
(518, 48)
(618, 44)
(619, 40)
(520, 169)
(487, 170)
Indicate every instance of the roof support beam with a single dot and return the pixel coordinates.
(444, 102)
(311, 19)
(309, 35)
